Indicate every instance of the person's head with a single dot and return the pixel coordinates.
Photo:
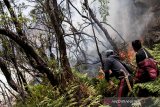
(109, 52)
(136, 44)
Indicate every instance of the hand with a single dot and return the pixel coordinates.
(100, 70)
(110, 72)
(111, 83)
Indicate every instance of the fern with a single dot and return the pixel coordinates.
(152, 87)
(75, 94)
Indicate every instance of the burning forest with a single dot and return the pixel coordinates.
(79, 53)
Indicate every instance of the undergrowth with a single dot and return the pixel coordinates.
(78, 93)
(84, 91)
(151, 88)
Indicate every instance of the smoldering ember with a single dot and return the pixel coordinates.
(79, 53)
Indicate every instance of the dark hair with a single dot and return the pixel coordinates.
(136, 44)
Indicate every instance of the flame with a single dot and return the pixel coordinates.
(127, 55)
(124, 55)
(100, 76)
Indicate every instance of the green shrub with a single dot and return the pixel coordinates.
(74, 94)
(103, 88)
(151, 88)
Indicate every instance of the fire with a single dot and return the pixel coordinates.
(130, 55)
(100, 76)
(127, 55)
(124, 55)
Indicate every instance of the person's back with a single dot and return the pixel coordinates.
(140, 52)
(147, 69)
(112, 63)
(141, 55)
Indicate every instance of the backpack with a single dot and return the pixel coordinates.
(148, 70)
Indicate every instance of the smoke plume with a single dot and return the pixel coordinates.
(129, 18)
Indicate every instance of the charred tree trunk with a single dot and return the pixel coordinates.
(99, 54)
(56, 20)
(100, 26)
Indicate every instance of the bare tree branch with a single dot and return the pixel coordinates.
(41, 65)
(100, 26)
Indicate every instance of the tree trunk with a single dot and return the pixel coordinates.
(14, 18)
(41, 66)
(115, 48)
(56, 19)
(21, 78)
(9, 79)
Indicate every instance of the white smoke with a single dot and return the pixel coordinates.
(129, 18)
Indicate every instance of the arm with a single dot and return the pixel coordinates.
(101, 71)
(107, 67)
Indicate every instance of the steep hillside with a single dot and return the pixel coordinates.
(152, 32)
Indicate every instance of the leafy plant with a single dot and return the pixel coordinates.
(76, 93)
(151, 88)
(103, 88)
